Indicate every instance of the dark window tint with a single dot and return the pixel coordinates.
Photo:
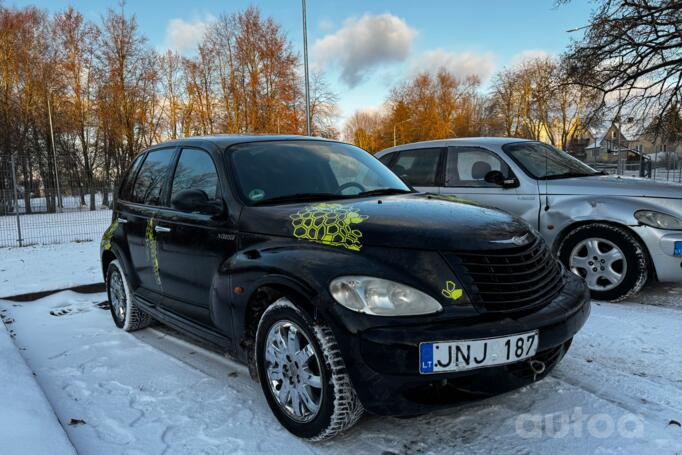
(195, 171)
(151, 177)
(271, 170)
(127, 184)
(386, 159)
(468, 166)
(418, 167)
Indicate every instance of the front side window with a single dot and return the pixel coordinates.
(418, 167)
(279, 171)
(543, 161)
(468, 166)
(150, 179)
(386, 159)
(195, 171)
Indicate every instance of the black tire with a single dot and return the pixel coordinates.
(339, 407)
(133, 318)
(634, 255)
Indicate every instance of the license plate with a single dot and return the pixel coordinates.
(678, 248)
(440, 357)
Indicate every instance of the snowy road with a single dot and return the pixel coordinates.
(617, 391)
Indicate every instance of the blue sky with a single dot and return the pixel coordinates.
(398, 37)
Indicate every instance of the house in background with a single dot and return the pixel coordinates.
(607, 145)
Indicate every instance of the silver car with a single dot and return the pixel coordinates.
(616, 232)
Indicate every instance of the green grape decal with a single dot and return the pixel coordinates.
(329, 224)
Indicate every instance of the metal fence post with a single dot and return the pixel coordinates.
(16, 200)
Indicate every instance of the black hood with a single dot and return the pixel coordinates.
(419, 221)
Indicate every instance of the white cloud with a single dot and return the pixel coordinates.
(364, 43)
(325, 25)
(184, 36)
(527, 55)
(460, 64)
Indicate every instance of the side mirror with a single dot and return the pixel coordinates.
(497, 178)
(196, 201)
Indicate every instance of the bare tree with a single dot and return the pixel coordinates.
(632, 53)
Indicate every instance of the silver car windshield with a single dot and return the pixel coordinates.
(542, 161)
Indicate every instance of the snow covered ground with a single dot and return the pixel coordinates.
(48, 267)
(619, 390)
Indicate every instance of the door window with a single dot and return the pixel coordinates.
(468, 166)
(152, 175)
(386, 159)
(418, 167)
(196, 171)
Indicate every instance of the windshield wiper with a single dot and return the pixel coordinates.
(383, 191)
(298, 197)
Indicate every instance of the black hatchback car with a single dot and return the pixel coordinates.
(341, 288)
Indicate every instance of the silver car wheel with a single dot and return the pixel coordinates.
(600, 262)
(293, 371)
(117, 294)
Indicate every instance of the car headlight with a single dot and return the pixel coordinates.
(658, 220)
(380, 297)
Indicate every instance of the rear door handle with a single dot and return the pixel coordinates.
(161, 229)
(121, 220)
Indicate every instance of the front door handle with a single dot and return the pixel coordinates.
(161, 229)
(121, 220)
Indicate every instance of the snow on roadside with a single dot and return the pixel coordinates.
(153, 392)
(27, 422)
(48, 267)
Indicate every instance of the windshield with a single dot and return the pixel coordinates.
(281, 171)
(543, 161)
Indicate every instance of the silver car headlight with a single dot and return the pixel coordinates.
(658, 220)
(380, 297)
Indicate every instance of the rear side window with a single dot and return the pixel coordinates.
(152, 175)
(418, 167)
(127, 184)
(195, 171)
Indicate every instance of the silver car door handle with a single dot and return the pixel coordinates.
(161, 229)
(121, 220)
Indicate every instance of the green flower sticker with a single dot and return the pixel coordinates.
(451, 291)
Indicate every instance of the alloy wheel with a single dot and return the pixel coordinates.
(117, 295)
(293, 371)
(600, 262)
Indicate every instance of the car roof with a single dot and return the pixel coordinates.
(462, 141)
(223, 141)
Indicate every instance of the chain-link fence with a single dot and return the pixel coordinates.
(36, 208)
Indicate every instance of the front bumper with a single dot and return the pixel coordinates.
(383, 362)
(661, 246)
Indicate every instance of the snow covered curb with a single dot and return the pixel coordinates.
(27, 422)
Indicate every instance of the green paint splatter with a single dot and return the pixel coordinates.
(108, 234)
(150, 242)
